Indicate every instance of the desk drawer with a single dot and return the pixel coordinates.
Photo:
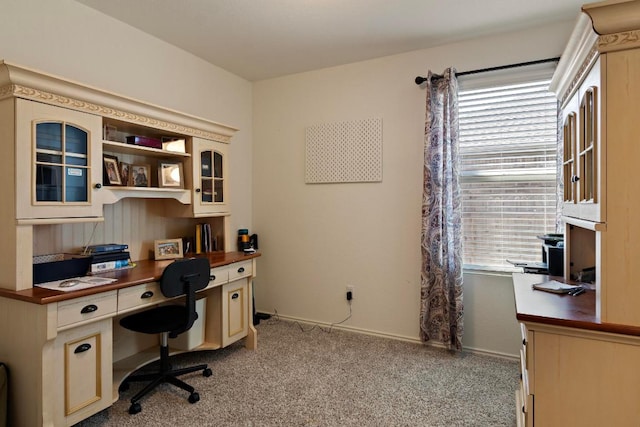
(240, 269)
(86, 308)
(139, 296)
(218, 276)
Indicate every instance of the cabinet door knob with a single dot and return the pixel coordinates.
(147, 294)
(197, 190)
(241, 270)
(82, 348)
(89, 309)
(98, 185)
(212, 277)
(524, 341)
(575, 178)
(235, 296)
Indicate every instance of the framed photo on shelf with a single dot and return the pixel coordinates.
(170, 175)
(111, 172)
(168, 249)
(125, 173)
(139, 175)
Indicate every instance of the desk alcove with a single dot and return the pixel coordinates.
(64, 383)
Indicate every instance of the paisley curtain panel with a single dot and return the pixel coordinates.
(441, 276)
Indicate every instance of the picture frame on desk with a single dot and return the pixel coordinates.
(170, 175)
(111, 173)
(140, 175)
(168, 249)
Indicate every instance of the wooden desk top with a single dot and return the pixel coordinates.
(558, 309)
(145, 271)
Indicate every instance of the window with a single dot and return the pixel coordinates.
(508, 160)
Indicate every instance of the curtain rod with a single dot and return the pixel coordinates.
(419, 80)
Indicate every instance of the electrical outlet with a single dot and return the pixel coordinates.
(349, 292)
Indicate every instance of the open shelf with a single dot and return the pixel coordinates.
(124, 148)
(112, 194)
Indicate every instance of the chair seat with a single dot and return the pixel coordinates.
(166, 318)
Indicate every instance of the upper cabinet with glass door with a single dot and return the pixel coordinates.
(58, 157)
(584, 146)
(210, 178)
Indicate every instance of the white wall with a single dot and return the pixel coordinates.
(73, 41)
(317, 239)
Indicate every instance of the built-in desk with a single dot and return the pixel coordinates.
(575, 369)
(67, 361)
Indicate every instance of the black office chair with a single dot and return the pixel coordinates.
(182, 277)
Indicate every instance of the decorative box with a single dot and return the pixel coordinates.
(144, 141)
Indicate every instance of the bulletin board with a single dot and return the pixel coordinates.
(344, 152)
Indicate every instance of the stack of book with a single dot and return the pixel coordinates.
(204, 241)
(109, 256)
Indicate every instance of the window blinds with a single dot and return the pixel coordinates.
(508, 154)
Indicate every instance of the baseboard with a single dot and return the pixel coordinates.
(394, 336)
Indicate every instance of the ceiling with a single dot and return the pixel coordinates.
(260, 39)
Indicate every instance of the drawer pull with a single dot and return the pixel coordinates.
(89, 309)
(524, 341)
(241, 270)
(235, 296)
(147, 294)
(82, 348)
(212, 277)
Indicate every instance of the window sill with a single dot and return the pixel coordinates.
(490, 271)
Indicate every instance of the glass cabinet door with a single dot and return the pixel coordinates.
(588, 145)
(58, 162)
(211, 177)
(568, 164)
(62, 167)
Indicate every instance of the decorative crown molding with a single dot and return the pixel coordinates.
(28, 84)
(619, 41)
(613, 16)
(580, 73)
(580, 53)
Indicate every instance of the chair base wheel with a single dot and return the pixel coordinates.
(135, 408)
(194, 397)
(207, 372)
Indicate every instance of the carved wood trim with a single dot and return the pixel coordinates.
(619, 41)
(584, 68)
(20, 91)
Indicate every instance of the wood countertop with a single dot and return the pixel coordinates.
(560, 309)
(145, 271)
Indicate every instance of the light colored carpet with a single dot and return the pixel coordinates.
(315, 378)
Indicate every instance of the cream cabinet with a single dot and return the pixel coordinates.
(83, 372)
(597, 83)
(59, 162)
(582, 378)
(584, 167)
(525, 393)
(210, 175)
(235, 311)
(579, 360)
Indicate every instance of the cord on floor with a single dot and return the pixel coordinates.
(276, 318)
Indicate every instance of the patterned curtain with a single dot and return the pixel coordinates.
(441, 277)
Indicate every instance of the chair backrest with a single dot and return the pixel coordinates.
(185, 277)
(182, 273)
